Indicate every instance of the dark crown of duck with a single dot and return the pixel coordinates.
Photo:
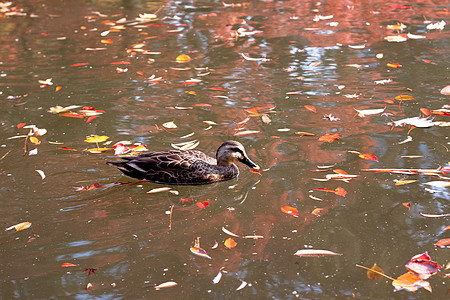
(186, 166)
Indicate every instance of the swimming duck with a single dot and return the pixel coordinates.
(184, 167)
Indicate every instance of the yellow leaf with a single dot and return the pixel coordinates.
(183, 58)
(404, 181)
(35, 140)
(404, 97)
(97, 150)
(96, 138)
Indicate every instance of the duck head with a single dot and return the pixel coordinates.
(232, 151)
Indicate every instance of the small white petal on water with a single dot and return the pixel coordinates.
(243, 285)
(41, 173)
(166, 285)
(217, 278)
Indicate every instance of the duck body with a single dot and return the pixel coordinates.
(186, 167)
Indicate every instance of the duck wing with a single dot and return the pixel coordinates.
(171, 167)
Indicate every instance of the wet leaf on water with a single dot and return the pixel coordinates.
(243, 285)
(202, 204)
(41, 173)
(65, 265)
(20, 125)
(394, 65)
(229, 232)
(67, 148)
(20, 226)
(410, 282)
(266, 119)
(90, 271)
(330, 137)
(407, 205)
(170, 125)
(166, 285)
(199, 252)
(290, 210)
(367, 112)
(405, 181)
(106, 41)
(246, 132)
(368, 156)
(404, 97)
(302, 133)
(315, 253)
(442, 243)
(97, 150)
(310, 108)
(317, 211)
(34, 140)
(374, 272)
(423, 266)
(217, 278)
(183, 58)
(230, 243)
(340, 191)
(434, 216)
(96, 138)
(425, 111)
(72, 115)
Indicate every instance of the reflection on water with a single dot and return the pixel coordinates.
(257, 70)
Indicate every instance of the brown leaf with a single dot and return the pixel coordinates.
(330, 137)
(375, 275)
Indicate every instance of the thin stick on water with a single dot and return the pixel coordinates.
(379, 273)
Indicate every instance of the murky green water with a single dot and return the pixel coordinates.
(253, 67)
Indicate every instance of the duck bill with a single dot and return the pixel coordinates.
(249, 163)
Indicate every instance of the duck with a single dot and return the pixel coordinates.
(186, 167)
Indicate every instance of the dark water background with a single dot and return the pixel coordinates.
(123, 232)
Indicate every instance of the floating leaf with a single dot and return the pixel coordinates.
(442, 243)
(72, 115)
(290, 210)
(302, 133)
(106, 41)
(375, 275)
(246, 132)
(217, 278)
(40, 172)
(20, 226)
(394, 65)
(404, 181)
(367, 112)
(330, 137)
(315, 253)
(317, 211)
(410, 282)
(243, 285)
(404, 97)
(445, 90)
(310, 108)
(266, 119)
(425, 111)
(230, 243)
(96, 138)
(183, 58)
(20, 125)
(423, 266)
(340, 191)
(170, 125)
(202, 204)
(166, 285)
(368, 156)
(199, 252)
(407, 205)
(67, 148)
(65, 265)
(97, 150)
(35, 140)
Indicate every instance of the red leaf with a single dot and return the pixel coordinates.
(217, 89)
(325, 190)
(66, 148)
(255, 171)
(203, 204)
(186, 200)
(310, 108)
(68, 265)
(20, 125)
(290, 210)
(91, 118)
(79, 64)
(107, 41)
(368, 156)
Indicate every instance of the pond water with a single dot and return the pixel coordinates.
(277, 76)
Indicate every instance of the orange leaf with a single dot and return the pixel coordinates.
(317, 211)
(442, 243)
(91, 118)
(230, 243)
(330, 137)
(339, 171)
(404, 97)
(58, 88)
(72, 115)
(425, 111)
(107, 41)
(368, 156)
(394, 65)
(121, 62)
(217, 89)
(325, 190)
(68, 265)
(79, 64)
(20, 125)
(340, 191)
(290, 210)
(202, 105)
(183, 58)
(203, 204)
(20, 226)
(407, 205)
(310, 108)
